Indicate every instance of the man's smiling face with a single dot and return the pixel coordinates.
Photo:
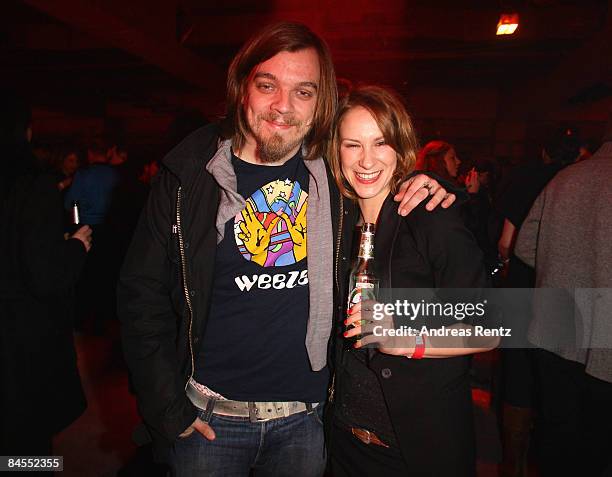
(280, 103)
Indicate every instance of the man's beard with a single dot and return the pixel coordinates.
(275, 148)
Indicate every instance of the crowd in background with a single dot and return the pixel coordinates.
(109, 183)
(57, 276)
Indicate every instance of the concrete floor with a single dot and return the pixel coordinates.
(99, 442)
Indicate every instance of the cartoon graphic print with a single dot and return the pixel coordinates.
(271, 229)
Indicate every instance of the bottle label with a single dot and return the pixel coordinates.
(366, 246)
(362, 291)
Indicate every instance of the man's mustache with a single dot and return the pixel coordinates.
(279, 118)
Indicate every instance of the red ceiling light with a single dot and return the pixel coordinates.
(508, 23)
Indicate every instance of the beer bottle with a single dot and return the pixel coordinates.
(363, 282)
(75, 217)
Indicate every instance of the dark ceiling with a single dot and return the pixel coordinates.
(81, 56)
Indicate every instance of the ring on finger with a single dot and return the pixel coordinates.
(429, 187)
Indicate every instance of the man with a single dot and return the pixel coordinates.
(93, 188)
(566, 237)
(226, 294)
(518, 385)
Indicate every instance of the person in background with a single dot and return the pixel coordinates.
(440, 158)
(68, 166)
(39, 268)
(480, 215)
(566, 237)
(518, 381)
(559, 150)
(93, 188)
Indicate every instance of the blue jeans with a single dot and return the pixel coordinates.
(290, 446)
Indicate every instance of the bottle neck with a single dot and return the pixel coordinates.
(366, 244)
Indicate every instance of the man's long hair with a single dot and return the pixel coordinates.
(290, 37)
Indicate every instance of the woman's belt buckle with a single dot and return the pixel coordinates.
(363, 435)
(367, 437)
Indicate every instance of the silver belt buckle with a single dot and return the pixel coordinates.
(255, 414)
(261, 412)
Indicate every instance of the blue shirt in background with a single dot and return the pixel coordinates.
(93, 188)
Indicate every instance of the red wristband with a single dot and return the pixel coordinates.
(419, 348)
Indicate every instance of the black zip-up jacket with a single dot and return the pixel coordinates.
(166, 283)
(428, 400)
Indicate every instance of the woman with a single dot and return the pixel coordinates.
(68, 166)
(393, 414)
(439, 157)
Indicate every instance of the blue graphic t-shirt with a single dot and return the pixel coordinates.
(253, 347)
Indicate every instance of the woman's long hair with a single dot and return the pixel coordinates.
(431, 158)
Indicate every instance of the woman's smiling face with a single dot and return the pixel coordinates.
(367, 161)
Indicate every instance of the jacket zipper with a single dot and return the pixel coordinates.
(338, 239)
(179, 230)
(332, 386)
